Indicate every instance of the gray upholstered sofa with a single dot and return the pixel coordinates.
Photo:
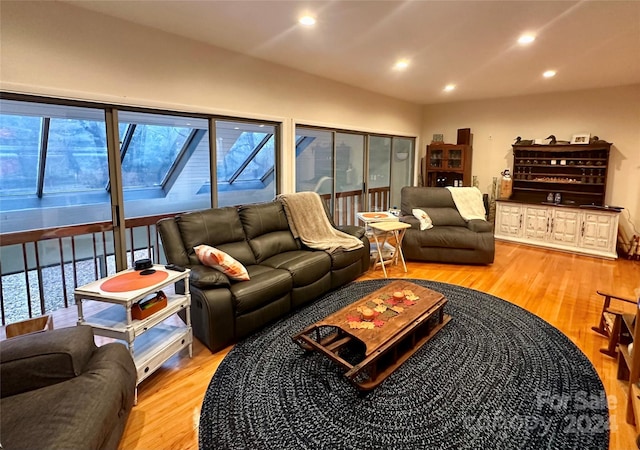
(452, 239)
(284, 274)
(60, 391)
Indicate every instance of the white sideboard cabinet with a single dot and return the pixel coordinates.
(586, 231)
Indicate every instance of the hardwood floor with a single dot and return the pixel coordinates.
(558, 287)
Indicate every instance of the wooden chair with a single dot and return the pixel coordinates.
(610, 322)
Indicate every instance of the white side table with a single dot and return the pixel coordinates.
(387, 230)
(151, 341)
(369, 217)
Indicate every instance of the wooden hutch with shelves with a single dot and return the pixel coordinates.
(577, 172)
(447, 165)
(558, 200)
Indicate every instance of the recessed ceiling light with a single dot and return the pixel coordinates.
(549, 74)
(307, 21)
(526, 39)
(401, 64)
(449, 87)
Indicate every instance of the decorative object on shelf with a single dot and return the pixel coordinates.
(506, 184)
(550, 197)
(596, 140)
(149, 306)
(553, 141)
(464, 136)
(437, 138)
(581, 138)
(143, 264)
(558, 198)
(520, 141)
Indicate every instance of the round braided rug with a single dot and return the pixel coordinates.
(496, 376)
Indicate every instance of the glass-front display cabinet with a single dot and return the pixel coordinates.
(447, 165)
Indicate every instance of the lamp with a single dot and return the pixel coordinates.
(401, 155)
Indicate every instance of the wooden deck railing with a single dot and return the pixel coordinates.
(41, 268)
(349, 203)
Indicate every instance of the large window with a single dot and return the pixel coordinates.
(150, 152)
(401, 167)
(246, 162)
(314, 160)
(81, 196)
(379, 161)
(53, 162)
(165, 161)
(54, 168)
(332, 163)
(349, 162)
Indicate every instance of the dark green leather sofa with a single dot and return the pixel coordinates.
(60, 391)
(284, 273)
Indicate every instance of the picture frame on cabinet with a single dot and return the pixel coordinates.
(580, 138)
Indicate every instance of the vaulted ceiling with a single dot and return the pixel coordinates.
(469, 44)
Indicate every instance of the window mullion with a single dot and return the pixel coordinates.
(117, 197)
(42, 160)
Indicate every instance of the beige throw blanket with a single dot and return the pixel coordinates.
(309, 222)
(468, 200)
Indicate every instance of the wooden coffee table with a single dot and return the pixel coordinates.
(373, 336)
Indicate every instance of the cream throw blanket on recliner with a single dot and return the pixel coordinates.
(468, 200)
(309, 222)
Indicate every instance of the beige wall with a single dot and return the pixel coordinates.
(613, 114)
(54, 49)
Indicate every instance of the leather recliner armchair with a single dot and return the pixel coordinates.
(452, 239)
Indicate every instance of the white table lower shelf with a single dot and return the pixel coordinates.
(151, 341)
(112, 321)
(148, 355)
